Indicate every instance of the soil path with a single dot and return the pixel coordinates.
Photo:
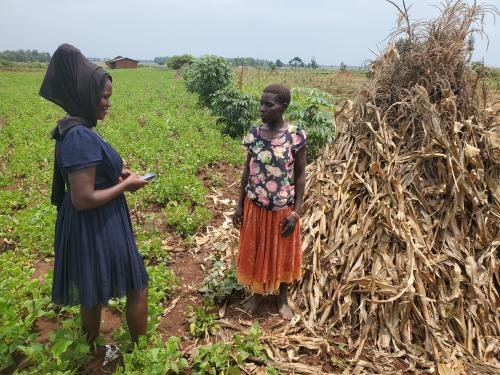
(190, 266)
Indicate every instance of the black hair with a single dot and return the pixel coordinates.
(282, 93)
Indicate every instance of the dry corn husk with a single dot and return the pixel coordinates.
(401, 219)
(401, 224)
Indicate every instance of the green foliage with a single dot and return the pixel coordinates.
(32, 228)
(185, 219)
(160, 60)
(313, 110)
(202, 323)
(279, 64)
(22, 301)
(250, 346)
(25, 56)
(7, 63)
(207, 75)
(67, 349)
(155, 359)
(219, 282)
(314, 63)
(149, 240)
(162, 284)
(224, 357)
(11, 201)
(235, 110)
(178, 61)
(214, 359)
(296, 62)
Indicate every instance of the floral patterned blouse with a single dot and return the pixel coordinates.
(271, 179)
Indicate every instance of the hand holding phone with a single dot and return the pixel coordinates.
(148, 176)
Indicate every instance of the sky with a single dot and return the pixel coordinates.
(333, 31)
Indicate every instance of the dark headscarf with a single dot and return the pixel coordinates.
(76, 85)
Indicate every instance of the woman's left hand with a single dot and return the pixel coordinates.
(124, 175)
(288, 225)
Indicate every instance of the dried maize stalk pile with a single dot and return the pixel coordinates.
(401, 219)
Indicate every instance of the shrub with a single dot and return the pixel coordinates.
(178, 61)
(206, 75)
(313, 110)
(234, 110)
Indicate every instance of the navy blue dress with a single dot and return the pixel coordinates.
(96, 256)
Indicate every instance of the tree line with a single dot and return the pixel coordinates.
(176, 61)
(25, 56)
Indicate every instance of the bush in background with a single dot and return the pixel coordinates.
(178, 61)
(313, 109)
(235, 110)
(206, 75)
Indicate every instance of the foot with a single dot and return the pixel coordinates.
(284, 310)
(252, 304)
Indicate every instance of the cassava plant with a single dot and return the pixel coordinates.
(235, 110)
(206, 75)
(313, 109)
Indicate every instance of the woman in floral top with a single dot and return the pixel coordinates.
(272, 186)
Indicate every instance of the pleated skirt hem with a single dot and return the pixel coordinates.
(266, 258)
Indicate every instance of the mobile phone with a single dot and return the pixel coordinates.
(148, 176)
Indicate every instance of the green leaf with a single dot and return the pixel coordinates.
(60, 347)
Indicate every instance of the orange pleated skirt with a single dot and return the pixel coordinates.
(266, 258)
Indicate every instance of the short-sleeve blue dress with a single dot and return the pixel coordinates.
(96, 256)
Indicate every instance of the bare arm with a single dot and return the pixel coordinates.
(238, 212)
(85, 197)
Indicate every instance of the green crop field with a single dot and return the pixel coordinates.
(156, 126)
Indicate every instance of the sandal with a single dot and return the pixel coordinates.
(112, 354)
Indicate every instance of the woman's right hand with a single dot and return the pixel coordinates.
(238, 216)
(134, 182)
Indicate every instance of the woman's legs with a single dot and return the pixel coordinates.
(283, 308)
(136, 312)
(91, 321)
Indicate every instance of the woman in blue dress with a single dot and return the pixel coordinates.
(96, 257)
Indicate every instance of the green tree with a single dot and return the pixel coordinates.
(178, 61)
(279, 63)
(296, 62)
(314, 64)
(206, 75)
(248, 61)
(161, 60)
